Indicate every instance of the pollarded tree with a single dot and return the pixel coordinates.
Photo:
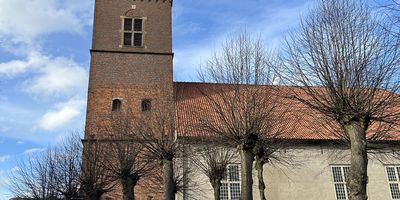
(212, 159)
(264, 151)
(181, 179)
(95, 178)
(156, 132)
(239, 106)
(341, 48)
(124, 160)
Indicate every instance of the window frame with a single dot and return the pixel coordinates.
(132, 32)
(390, 182)
(343, 182)
(120, 105)
(229, 182)
(149, 104)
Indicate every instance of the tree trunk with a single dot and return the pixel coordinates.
(92, 197)
(168, 179)
(95, 195)
(247, 158)
(261, 184)
(358, 177)
(128, 188)
(217, 189)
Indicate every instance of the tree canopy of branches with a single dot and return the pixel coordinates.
(35, 177)
(124, 157)
(52, 174)
(181, 177)
(392, 7)
(95, 178)
(212, 159)
(343, 49)
(68, 160)
(157, 133)
(242, 107)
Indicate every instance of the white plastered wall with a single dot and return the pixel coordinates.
(309, 179)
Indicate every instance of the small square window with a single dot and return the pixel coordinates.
(146, 105)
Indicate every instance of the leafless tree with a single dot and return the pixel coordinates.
(392, 8)
(240, 105)
(156, 131)
(264, 152)
(68, 158)
(52, 174)
(181, 179)
(95, 178)
(35, 177)
(124, 160)
(348, 67)
(212, 159)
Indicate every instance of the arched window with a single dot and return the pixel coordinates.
(146, 105)
(116, 105)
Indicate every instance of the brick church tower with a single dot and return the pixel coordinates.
(131, 59)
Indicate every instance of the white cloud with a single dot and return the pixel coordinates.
(58, 76)
(34, 150)
(20, 142)
(4, 158)
(23, 21)
(59, 82)
(61, 115)
(15, 67)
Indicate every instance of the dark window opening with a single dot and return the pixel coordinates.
(116, 105)
(146, 105)
(127, 39)
(128, 24)
(137, 40)
(138, 25)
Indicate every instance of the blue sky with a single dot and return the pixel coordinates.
(44, 60)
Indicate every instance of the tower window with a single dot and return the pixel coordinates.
(146, 105)
(133, 32)
(116, 105)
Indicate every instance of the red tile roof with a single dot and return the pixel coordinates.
(302, 122)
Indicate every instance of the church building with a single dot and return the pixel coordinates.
(131, 69)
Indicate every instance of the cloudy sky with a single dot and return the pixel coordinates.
(44, 60)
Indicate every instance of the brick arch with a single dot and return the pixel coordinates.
(134, 13)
